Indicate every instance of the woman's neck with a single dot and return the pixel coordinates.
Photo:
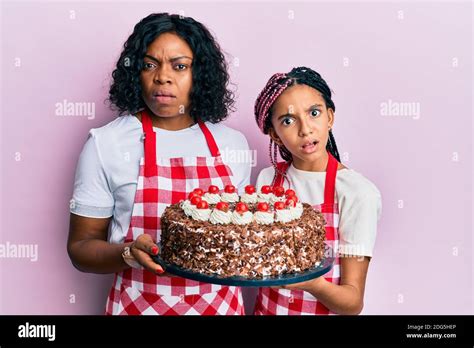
(174, 123)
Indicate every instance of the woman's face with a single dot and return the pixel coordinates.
(166, 78)
(301, 123)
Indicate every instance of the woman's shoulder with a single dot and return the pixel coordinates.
(116, 127)
(227, 136)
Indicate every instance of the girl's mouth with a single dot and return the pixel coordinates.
(310, 147)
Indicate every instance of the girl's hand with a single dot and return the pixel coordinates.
(141, 249)
(310, 285)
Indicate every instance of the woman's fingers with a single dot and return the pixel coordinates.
(145, 242)
(141, 250)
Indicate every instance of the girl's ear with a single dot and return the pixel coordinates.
(274, 136)
(330, 118)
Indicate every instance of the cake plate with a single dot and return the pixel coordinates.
(322, 268)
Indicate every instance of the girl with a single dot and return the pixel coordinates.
(297, 111)
(170, 84)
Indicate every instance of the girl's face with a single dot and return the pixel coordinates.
(166, 78)
(301, 122)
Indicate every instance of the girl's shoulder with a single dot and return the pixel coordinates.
(352, 183)
(265, 177)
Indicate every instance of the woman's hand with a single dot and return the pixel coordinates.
(141, 249)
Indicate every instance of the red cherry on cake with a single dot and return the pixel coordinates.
(229, 189)
(263, 206)
(213, 189)
(199, 191)
(195, 200)
(290, 202)
(249, 189)
(278, 191)
(193, 194)
(266, 189)
(241, 208)
(202, 205)
(222, 206)
(279, 205)
(290, 193)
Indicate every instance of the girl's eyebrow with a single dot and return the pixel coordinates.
(309, 109)
(171, 60)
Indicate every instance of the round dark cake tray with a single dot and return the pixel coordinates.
(324, 266)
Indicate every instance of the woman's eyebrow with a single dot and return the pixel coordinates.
(171, 60)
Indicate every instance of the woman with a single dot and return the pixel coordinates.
(170, 84)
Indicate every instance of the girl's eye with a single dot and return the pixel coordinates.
(287, 121)
(315, 112)
(180, 67)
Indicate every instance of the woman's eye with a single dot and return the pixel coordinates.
(180, 66)
(287, 121)
(149, 66)
(315, 112)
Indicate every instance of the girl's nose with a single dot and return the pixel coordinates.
(305, 128)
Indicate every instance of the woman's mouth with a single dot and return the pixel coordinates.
(310, 147)
(163, 97)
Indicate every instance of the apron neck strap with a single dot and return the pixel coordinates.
(330, 181)
(150, 143)
(209, 139)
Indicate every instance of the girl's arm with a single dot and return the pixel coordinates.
(345, 298)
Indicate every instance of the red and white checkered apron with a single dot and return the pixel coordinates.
(162, 182)
(271, 301)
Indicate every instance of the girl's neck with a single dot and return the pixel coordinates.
(174, 123)
(318, 165)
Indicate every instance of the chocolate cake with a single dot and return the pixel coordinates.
(254, 235)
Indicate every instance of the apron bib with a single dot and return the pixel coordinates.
(162, 182)
(298, 302)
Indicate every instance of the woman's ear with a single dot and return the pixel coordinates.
(274, 136)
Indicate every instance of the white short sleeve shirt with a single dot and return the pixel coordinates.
(359, 202)
(107, 170)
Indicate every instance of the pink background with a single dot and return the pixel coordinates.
(405, 52)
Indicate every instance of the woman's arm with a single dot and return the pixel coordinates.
(90, 251)
(347, 297)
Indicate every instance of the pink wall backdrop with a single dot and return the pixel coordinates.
(372, 54)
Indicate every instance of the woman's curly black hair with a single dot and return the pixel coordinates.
(211, 100)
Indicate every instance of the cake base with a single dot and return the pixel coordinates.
(251, 251)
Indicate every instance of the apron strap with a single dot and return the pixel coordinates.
(330, 184)
(150, 145)
(281, 168)
(330, 181)
(209, 139)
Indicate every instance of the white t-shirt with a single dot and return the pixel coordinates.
(359, 202)
(107, 170)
